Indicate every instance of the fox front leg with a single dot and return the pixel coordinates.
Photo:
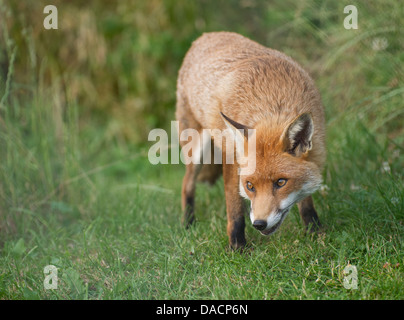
(234, 206)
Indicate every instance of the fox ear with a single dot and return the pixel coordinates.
(298, 135)
(240, 132)
(238, 128)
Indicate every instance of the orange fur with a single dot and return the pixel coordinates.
(262, 89)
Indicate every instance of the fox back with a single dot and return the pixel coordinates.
(230, 82)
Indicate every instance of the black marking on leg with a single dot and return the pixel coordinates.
(311, 220)
(189, 216)
(237, 235)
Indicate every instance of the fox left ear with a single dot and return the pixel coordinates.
(239, 131)
(235, 126)
(298, 135)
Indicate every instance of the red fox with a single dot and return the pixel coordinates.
(229, 81)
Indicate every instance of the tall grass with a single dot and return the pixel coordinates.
(77, 190)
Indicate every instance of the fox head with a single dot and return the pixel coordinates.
(283, 174)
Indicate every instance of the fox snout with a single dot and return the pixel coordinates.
(260, 224)
(271, 223)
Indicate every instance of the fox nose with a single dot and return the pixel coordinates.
(260, 224)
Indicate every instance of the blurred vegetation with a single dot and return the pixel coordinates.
(80, 101)
(119, 60)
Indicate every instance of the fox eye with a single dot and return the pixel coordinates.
(280, 183)
(250, 186)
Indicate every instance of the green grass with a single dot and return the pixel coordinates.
(78, 192)
(128, 244)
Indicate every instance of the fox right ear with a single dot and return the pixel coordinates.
(298, 135)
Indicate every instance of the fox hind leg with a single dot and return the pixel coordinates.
(188, 193)
(192, 169)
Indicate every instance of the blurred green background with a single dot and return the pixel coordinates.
(77, 104)
(119, 60)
